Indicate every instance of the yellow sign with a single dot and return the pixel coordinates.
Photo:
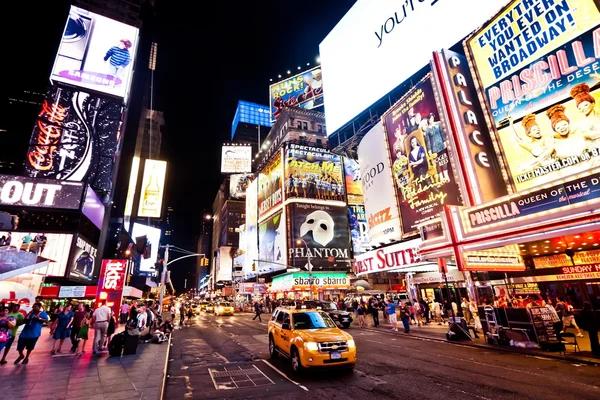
(152, 189)
(587, 257)
(553, 261)
(135, 168)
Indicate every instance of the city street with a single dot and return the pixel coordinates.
(230, 353)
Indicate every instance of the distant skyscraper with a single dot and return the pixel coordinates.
(251, 124)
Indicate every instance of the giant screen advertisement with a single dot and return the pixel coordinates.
(353, 181)
(96, 53)
(418, 146)
(271, 240)
(537, 65)
(82, 263)
(359, 230)
(313, 173)
(251, 226)
(270, 190)
(319, 237)
(76, 138)
(304, 90)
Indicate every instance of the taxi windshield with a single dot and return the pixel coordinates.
(225, 305)
(312, 320)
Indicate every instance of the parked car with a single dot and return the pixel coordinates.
(342, 318)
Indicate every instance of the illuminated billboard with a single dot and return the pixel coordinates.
(373, 49)
(359, 229)
(96, 53)
(313, 173)
(111, 282)
(250, 113)
(541, 100)
(75, 138)
(152, 189)
(152, 241)
(238, 183)
(423, 175)
(304, 90)
(353, 181)
(40, 193)
(270, 192)
(224, 264)
(251, 226)
(82, 263)
(318, 236)
(236, 159)
(93, 208)
(271, 241)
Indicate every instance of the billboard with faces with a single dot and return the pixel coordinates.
(359, 229)
(353, 181)
(96, 53)
(238, 184)
(271, 245)
(318, 235)
(270, 188)
(251, 226)
(539, 77)
(304, 90)
(82, 263)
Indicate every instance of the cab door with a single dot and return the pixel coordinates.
(276, 331)
(286, 334)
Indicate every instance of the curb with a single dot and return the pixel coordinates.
(164, 380)
(500, 349)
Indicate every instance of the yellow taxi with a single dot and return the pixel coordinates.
(210, 308)
(309, 338)
(224, 308)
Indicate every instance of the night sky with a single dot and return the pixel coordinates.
(208, 59)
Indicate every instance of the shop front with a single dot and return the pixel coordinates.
(52, 294)
(298, 285)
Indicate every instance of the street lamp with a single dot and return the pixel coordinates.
(299, 242)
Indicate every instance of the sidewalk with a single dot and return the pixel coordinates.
(433, 331)
(89, 377)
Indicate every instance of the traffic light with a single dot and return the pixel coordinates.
(204, 262)
(253, 267)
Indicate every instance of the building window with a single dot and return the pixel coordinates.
(230, 229)
(305, 125)
(319, 142)
(299, 124)
(321, 128)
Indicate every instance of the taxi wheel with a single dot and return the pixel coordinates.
(296, 362)
(272, 348)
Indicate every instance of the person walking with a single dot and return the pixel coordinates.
(181, 315)
(405, 313)
(83, 333)
(13, 311)
(124, 312)
(7, 323)
(172, 310)
(464, 306)
(257, 310)
(361, 315)
(63, 328)
(390, 310)
(100, 318)
(32, 331)
(590, 324)
(568, 318)
(375, 310)
(78, 318)
(54, 318)
(112, 326)
(437, 312)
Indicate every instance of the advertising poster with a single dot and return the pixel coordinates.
(545, 107)
(40, 193)
(75, 138)
(381, 204)
(83, 259)
(270, 190)
(251, 226)
(111, 282)
(353, 181)
(359, 230)
(313, 173)
(319, 236)
(96, 53)
(224, 264)
(238, 184)
(236, 159)
(146, 265)
(304, 90)
(418, 147)
(153, 188)
(271, 240)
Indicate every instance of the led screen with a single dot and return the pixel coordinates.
(153, 240)
(152, 189)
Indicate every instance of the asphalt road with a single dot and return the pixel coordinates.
(227, 358)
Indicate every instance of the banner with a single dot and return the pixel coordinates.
(251, 226)
(76, 138)
(391, 258)
(110, 284)
(153, 188)
(270, 191)
(313, 173)
(380, 199)
(353, 181)
(271, 240)
(418, 146)
(359, 230)
(304, 90)
(238, 183)
(83, 259)
(39, 193)
(318, 236)
(236, 159)
(224, 264)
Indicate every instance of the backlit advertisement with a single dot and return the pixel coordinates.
(381, 204)
(353, 181)
(251, 226)
(111, 282)
(418, 146)
(146, 266)
(271, 241)
(318, 237)
(238, 184)
(96, 53)
(544, 107)
(75, 138)
(93, 208)
(224, 264)
(152, 189)
(236, 159)
(380, 44)
(359, 230)
(83, 260)
(270, 188)
(313, 173)
(40, 193)
(304, 90)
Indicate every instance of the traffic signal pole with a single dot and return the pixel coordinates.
(163, 275)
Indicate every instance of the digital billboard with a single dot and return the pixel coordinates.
(271, 245)
(152, 240)
(236, 159)
(353, 181)
(238, 184)
(250, 113)
(111, 282)
(319, 236)
(251, 226)
(381, 204)
(313, 173)
(82, 263)
(152, 189)
(359, 230)
(40, 193)
(423, 175)
(224, 264)
(270, 191)
(93, 208)
(304, 90)
(75, 138)
(541, 88)
(96, 53)
(373, 49)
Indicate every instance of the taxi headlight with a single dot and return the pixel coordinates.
(351, 344)
(220, 309)
(311, 346)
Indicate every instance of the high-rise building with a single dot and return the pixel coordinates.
(204, 247)
(251, 124)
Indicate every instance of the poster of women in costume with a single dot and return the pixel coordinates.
(418, 148)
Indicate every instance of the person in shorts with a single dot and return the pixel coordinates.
(390, 310)
(31, 332)
(13, 311)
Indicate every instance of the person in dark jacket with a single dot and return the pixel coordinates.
(591, 325)
(257, 311)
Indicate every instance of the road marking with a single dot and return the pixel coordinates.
(220, 356)
(284, 375)
(462, 391)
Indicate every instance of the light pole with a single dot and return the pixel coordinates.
(163, 276)
(299, 242)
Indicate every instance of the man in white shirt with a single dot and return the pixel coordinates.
(100, 319)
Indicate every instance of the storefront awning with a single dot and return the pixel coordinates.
(15, 262)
